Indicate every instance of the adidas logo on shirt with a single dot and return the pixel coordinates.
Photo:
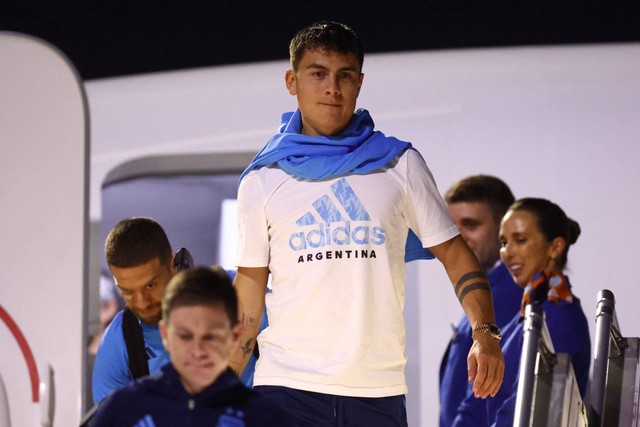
(333, 225)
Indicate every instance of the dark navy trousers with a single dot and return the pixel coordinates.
(310, 409)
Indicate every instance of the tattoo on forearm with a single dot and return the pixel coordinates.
(249, 322)
(469, 276)
(247, 348)
(472, 287)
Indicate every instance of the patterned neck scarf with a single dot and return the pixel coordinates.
(543, 287)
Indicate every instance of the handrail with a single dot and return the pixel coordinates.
(536, 338)
(604, 323)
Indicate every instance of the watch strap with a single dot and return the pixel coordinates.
(487, 328)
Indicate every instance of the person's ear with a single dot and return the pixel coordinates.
(172, 265)
(236, 331)
(361, 78)
(290, 81)
(163, 332)
(557, 247)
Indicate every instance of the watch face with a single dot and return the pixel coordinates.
(494, 329)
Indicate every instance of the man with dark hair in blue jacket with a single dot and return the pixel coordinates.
(477, 204)
(199, 329)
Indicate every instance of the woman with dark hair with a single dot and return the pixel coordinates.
(535, 236)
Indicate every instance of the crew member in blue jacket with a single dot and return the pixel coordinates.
(477, 204)
(535, 236)
(199, 329)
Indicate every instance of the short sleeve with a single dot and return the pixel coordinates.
(253, 231)
(426, 212)
(110, 369)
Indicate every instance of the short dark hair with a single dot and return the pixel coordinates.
(328, 36)
(201, 286)
(552, 222)
(136, 241)
(482, 188)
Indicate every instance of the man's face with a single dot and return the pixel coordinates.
(200, 340)
(142, 288)
(326, 85)
(478, 228)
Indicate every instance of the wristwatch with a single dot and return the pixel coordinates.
(487, 328)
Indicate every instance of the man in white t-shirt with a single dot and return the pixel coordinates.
(332, 210)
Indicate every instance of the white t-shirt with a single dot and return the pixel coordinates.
(335, 249)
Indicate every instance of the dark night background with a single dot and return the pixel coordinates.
(114, 38)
